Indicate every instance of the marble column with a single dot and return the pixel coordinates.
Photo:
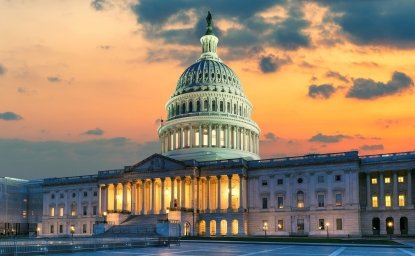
(409, 188)
(200, 136)
(143, 206)
(368, 193)
(134, 198)
(115, 198)
(191, 135)
(229, 193)
(173, 196)
(124, 196)
(153, 196)
(163, 207)
(219, 194)
(395, 190)
(179, 192)
(183, 192)
(209, 135)
(381, 191)
(99, 199)
(207, 193)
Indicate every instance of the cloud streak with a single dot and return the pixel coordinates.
(323, 91)
(322, 138)
(96, 132)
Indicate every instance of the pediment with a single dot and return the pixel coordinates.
(157, 162)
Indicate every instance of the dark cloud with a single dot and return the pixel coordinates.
(271, 63)
(252, 29)
(54, 79)
(381, 22)
(98, 5)
(38, 159)
(369, 89)
(323, 91)
(96, 132)
(10, 116)
(2, 70)
(328, 138)
(337, 75)
(270, 136)
(372, 147)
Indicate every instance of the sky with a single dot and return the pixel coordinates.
(83, 84)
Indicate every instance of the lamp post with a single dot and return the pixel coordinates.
(167, 215)
(37, 231)
(327, 228)
(72, 230)
(265, 228)
(105, 217)
(390, 227)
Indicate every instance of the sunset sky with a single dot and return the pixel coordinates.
(83, 84)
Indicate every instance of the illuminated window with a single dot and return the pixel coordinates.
(205, 137)
(222, 137)
(280, 202)
(52, 211)
(280, 225)
(388, 201)
(374, 201)
(374, 180)
(400, 179)
(401, 200)
(321, 224)
(60, 211)
(213, 142)
(387, 180)
(300, 199)
(196, 138)
(339, 200)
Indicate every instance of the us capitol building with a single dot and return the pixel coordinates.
(210, 180)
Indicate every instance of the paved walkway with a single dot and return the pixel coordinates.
(232, 249)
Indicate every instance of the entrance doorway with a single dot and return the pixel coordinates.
(403, 224)
(376, 226)
(186, 231)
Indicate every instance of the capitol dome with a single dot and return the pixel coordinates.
(208, 115)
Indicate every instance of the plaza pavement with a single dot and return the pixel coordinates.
(241, 249)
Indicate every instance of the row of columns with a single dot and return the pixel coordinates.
(227, 136)
(395, 194)
(140, 196)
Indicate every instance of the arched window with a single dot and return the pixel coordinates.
(214, 105)
(177, 109)
(234, 109)
(221, 106)
(73, 209)
(213, 228)
(198, 106)
(228, 107)
(183, 108)
(376, 226)
(235, 227)
(206, 105)
(223, 227)
(300, 199)
(191, 106)
(202, 228)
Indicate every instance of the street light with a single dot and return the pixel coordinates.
(265, 228)
(37, 231)
(390, 227)
(327, 228)
(72, 231)
(167, 215)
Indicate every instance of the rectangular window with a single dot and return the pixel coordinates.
(60, 229)
(52, 211)
(339, 224)
(95, 193)
(280, 225)
(338, 178)
(213, 137)
(61, 211)
(196, 139)
(320, 179)
(52, 229)
(222, 137)
(280, 181)
(94, 210)
(321, 224)
(388, 201)
(205, 137)
(401, 179)
(280, 202)
(339, 199)
(84, 228)
(264, 183)
(374, 181)
(387, 180)
(84, 210)
(320, 199)
(264, 203)
(374, 201)
(401, 198)
(61, 195)
(300, 224)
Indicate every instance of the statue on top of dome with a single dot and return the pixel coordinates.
(209, 30)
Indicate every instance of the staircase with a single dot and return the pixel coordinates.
(136, 226)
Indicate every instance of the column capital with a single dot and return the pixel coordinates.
(229, 176)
